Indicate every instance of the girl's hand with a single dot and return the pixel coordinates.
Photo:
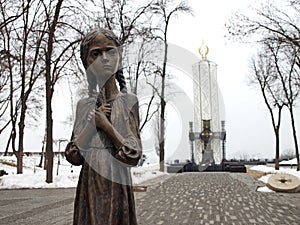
(101, 116)
(105, 108)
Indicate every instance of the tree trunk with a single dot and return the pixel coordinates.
(49, 142)
(19, 155)
(49, 120)
(42, 157)
(23, 97)
(13, 111)
(162, 136)
(277, 147)
(295, 137)
(277, 135)
(13, 137)
(21, 140)
(49, 93)
(162, 110)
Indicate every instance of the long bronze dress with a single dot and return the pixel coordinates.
(104, 194)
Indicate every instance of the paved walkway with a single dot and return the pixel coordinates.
(215, 198)
(188, 198)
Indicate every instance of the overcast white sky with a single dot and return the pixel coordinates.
(248, 125)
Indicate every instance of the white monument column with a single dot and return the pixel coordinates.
(206, 105)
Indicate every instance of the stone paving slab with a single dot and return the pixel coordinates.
(188, 198)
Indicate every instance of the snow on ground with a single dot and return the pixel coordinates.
(271, 170)
(34, 176)
(146, 172)
(289, 162)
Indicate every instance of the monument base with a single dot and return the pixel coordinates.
(193, 167)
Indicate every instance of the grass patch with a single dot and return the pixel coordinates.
(255, 173)
(8, 163)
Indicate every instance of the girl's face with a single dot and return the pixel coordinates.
(103, 58)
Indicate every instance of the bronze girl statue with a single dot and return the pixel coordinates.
(105, 138)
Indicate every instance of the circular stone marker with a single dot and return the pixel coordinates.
(283, 182)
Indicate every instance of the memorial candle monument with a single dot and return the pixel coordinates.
(207, 133)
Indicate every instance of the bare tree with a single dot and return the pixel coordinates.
(264, 74)
(142, 71)
(22, 62)
(38, 41)
(30, 70)
(52, 23)
(8, 63)
(59, 52)
(275, 26)
(285, 64)
(165, 9)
